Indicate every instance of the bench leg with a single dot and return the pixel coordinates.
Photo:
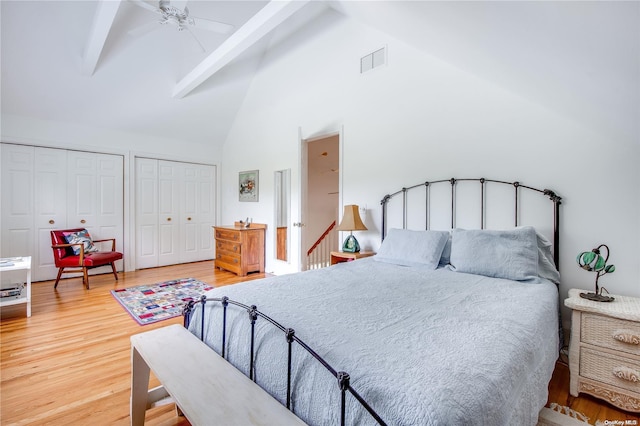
(139, 388)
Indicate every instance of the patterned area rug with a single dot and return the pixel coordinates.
(559, 415)
(156, 302)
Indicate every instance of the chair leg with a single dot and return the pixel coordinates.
(58, 278)
(113, 267)
(85, 278)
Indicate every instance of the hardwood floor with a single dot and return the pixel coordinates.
(70, 362)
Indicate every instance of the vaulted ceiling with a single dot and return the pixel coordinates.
(75, 61)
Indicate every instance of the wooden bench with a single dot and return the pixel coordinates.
(205, 387)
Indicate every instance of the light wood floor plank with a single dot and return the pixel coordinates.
(70, 362)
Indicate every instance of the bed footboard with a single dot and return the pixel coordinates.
(343, 379)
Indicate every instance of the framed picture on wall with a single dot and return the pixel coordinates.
(248, 185)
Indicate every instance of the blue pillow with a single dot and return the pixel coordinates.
(412, 248)
(511, 254)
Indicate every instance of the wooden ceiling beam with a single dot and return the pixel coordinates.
(263, 22)
(102, 22)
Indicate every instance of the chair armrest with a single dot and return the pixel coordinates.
(113, 242)
(80, 256)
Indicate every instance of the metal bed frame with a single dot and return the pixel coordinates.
(556, 200)
(343, 379)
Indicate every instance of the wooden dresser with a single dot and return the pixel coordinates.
(604, 353)
(239, 249)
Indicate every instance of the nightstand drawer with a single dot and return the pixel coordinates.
(610, 369)
(230, 235)
(612, 333)
(228, 246)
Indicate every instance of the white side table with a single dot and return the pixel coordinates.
(16, 264)
(604, 353)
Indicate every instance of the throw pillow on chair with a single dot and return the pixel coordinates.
(82, 237)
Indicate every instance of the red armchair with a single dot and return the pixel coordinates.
(82, 260)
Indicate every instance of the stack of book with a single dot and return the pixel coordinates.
(12, 291)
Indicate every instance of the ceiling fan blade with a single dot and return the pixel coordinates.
(144, 29)
(145, 5)
(209, 25)
(179, 4)
(196, 39)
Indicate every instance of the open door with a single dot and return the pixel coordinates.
(320, 199)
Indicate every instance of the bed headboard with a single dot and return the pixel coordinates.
(455, 202)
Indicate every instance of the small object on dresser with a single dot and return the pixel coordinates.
(594, 262)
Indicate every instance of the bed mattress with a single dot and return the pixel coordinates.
(423, 347)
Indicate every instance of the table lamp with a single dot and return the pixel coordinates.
(594, 262)
(351, 222)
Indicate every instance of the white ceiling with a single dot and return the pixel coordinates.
(580, 59)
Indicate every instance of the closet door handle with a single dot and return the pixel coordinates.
(51, 221)
(188, 218)
(168, 219)
(83, 221)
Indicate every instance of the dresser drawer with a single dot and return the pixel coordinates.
(228, 247)
(225, 234)
(614, 370)
(612, 333)
(229, 264)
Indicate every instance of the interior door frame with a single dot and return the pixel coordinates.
(303, 183)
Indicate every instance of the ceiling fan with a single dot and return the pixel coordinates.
(176, 13)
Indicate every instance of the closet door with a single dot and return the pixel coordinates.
(50, 203)
(146, 213)
(169, 183)
(17, 237)
(175, 210)
(96, 192)
(197, 215)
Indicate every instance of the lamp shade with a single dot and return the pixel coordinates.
(351, 219)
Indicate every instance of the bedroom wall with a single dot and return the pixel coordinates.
(420, 118)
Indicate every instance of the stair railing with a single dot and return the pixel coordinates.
(319, 255)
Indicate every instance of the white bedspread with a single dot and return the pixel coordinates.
(422, 347)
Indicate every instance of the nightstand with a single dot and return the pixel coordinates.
(341, 256)
(604, 353)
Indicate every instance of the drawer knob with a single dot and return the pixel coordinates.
(626, 373)
(626, 336)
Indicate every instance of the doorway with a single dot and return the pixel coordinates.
(320, 199)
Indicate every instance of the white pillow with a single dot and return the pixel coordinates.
(412, 248)
(511, 254)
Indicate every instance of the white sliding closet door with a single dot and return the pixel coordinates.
(50, 207)
(146, 213)
(169, 185)
(198, 212)
(48, 188)
(175, 210)
(95, 183)
(17, 201)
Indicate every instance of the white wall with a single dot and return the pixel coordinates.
(31, 131)
(419, 118)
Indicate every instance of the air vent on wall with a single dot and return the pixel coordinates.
(373, 60)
